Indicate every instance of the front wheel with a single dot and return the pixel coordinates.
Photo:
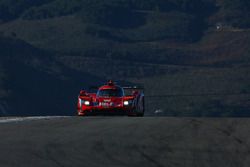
(136, 114)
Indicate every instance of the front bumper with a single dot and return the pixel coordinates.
(106, 111)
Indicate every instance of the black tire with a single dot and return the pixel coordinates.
(140, 114)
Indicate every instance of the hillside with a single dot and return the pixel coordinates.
(34, 84)
(186, 47)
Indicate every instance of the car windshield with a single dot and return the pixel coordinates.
(110, 93)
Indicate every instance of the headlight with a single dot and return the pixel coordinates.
(87, 103)
(126, 103)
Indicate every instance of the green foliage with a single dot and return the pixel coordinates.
(160, 5)
(53, 9)
(175, 25)
(110, 13)
(11, 9)
(121, 13)
(131, 14)
(236, 13)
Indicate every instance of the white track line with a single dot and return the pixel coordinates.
(22, 119)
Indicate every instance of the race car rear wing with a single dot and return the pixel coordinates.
(124, 87)
(129, 90)
(133, 87)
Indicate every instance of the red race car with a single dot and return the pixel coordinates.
(112, 99)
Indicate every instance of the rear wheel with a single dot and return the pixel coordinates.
(140, 114)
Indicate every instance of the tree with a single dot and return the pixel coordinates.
(12, 9)
(108, 13)
(237, 13)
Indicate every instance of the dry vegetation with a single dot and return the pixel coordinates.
(171, 47)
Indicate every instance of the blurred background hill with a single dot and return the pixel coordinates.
(191, 55)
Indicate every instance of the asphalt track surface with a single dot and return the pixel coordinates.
(124, 141)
